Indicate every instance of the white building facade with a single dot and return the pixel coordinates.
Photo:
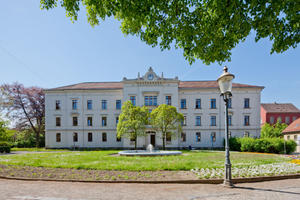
(85, 115)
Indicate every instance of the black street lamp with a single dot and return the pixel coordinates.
(225, 84)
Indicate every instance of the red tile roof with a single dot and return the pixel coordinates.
(280, 108)
(293, 127)
(119, 85)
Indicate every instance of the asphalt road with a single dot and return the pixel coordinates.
(39, 190)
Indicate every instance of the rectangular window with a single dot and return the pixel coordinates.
(279, 119)
(294, 118)
(118, 139)
(74, 104)
(213, 136)
(90, 137)
(104, 121)
(198, 137)
(183, 103)
(229, 103)
(229, 134)
(246, 103)
(246, 134)
(58, 137)
(117, 120)
(133, 100)
(150, 101)
(288, 137)
(89, 104)
(104, 137)
(272, 120)
(198, 120)
(183, 137)
(168, 100)
(75, 121)
(57, 119)
(295, 137)
(118, 104)
(104, 105)
(57, 105)
(169, 137)
(132, 141)
(183, 123)
(75, 137)
(198, 104)
(246, 120)
(287, 120)
(213, 104)
(213, 121)
(90, 121)
(229, 120)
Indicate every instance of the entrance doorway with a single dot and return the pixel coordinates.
(152, 139)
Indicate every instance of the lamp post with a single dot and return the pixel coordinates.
(225, 84)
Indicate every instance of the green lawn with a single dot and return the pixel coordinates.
(103, 160)
(37, 149)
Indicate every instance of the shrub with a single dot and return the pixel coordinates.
(290, 146)
(5, 147)
(262, 145)
(247, 144)
(234, 144)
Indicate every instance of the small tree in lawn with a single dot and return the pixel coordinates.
(132, 121)
(166, 119)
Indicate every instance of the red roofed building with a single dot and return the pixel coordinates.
(292, 132)
(283, 112)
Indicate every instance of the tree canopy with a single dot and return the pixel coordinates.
(203, 29)
(270, 131)
(132, 121)
(166, 119)
(26, 106)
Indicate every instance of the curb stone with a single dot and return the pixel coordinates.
(199, 181)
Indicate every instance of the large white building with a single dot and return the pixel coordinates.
(85, 115)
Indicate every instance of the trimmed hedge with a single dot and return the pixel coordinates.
(4, 147)
(262, 145)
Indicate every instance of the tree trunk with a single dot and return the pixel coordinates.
(135, 143)
(37, 143)
(164, 145)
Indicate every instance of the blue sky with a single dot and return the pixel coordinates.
(44, 48)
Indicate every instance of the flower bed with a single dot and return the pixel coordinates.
(252, 171)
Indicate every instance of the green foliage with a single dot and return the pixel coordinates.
(247, 144)
(234, 144)
(3, 133)
(290, 146)
(26, 139)
(262, 145)
(203, 29)
(166, 120)
(132, 121)
(271, 131)
(5, 147)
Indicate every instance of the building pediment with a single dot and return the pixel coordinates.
(150, 77)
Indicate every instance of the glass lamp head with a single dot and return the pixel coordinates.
(225, 81)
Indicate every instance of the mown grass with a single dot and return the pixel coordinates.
(37, 149)
(103, 160)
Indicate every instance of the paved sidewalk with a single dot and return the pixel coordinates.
(37, 190)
